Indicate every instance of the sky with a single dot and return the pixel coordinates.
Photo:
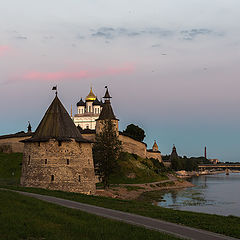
(172, 67)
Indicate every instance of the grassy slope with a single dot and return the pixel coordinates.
(27, 218)
(220, 224)
(10, 168)
(143, 169)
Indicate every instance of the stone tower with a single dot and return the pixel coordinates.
(106, 114)
(57, 156)
(174, 154)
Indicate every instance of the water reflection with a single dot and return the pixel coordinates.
(216, 194)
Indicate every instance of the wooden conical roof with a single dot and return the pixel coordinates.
(107, 111)
(56, 124)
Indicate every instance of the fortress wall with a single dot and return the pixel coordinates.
(70, 164)
(89, 136)
(132, 146)
(10, 145)
(156, 155)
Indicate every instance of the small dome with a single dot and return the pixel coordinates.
(91, 96)
(96, 102)
(81, 103)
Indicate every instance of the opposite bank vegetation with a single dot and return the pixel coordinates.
(10, 167)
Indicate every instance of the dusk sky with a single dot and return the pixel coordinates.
(172, 67)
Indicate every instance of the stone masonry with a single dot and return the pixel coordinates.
(68, 167)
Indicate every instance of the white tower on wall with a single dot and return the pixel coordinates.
(88, 111)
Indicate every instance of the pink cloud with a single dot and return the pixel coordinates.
(70, 75)
(4, 49)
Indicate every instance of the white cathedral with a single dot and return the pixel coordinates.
(88, 111)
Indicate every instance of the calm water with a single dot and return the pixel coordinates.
(216, 194)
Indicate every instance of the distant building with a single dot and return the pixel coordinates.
(57, 156)
(214, 161)
(88, 112)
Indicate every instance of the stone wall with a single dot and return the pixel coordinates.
(12, 144)
(89, 136)
(132, 146)
(128, 144)
(156, 155)
(68, 167)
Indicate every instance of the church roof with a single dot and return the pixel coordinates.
(107, 111)
(107, 95)
(96, 102)
(81, 103)
(91, 96)
(56, 124)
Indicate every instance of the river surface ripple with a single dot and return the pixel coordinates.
(215, 194)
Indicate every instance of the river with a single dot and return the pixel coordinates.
(215, 194)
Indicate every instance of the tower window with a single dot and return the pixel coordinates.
(39, 144)
(67, 161)
(79, 178)
(29, 159)
(59, 143)
(45, 161)
(52, 178)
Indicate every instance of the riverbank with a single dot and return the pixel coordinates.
(133, 191)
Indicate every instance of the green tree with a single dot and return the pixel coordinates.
(135, 132)
(106, 150)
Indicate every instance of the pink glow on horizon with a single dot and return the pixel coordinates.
(64, 75)
(4, 49)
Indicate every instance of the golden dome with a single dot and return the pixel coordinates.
(91, 96)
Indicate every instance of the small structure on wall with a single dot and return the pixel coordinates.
(57, 156)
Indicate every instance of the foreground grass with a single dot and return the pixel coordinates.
(229, 226)
(219, 224)
(23, 217)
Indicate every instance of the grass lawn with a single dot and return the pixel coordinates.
(23, 217)
(219, 224)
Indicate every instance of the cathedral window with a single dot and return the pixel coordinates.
(45, 161)
(79, 178)
(29, 159)
(59, 143)
(39, 144)
(67, 161)
(52, 178)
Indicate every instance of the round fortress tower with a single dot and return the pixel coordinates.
(57, 156)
